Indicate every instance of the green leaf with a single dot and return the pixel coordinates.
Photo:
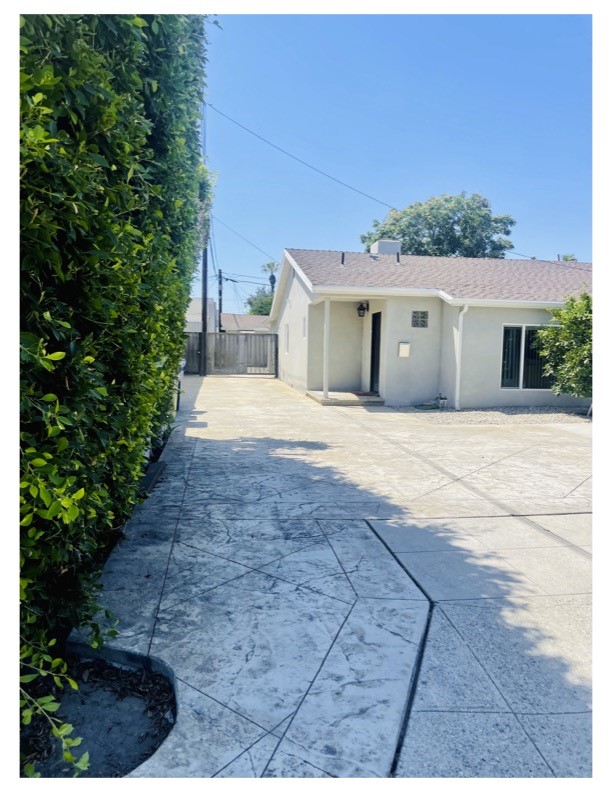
(72, 513)
(49, 397)
(27, 519)
(28, 678)
(79, 494)
(73, 684)
(30, 772)
(54, 510)
(83, 762)
(62, 443)
(55, 356)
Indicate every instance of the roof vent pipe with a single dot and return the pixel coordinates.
(342, 259)
(387, 247)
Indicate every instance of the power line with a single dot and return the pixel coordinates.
(307, 164)
(514, 253)
(248, 241)
(252, 277)
(213, 247)
(567, 264)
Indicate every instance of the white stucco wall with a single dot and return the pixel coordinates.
(345, 344)
(292, 319)
(482, 357)
(405, 381)
(448, 353)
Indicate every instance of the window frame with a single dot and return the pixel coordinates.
(520, 386)
(420, 326)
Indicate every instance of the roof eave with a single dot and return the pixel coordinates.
(372, 292)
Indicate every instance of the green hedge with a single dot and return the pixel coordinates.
(113, 205)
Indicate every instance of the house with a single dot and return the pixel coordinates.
(412, 327)
(245, 323)
(193, 318)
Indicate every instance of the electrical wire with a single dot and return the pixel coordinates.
(307, 164)
(213, 246)
(252, 244)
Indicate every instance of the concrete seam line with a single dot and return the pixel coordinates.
(340, 564)
(412, 687)
(416, 669)
(172, 543)
(492, 681)
(331, 646)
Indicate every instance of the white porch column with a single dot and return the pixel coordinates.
(326, 350)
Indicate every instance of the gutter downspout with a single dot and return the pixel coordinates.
(326, 350)
(462, 313)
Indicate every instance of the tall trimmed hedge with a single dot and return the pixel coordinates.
(113, 203)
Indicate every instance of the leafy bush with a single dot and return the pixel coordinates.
(113, 204)
(567, 347)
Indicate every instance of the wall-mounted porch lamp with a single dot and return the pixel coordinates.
(362, 308)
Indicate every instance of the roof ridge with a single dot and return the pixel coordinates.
(568, 264)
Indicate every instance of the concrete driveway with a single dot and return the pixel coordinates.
(354, 592)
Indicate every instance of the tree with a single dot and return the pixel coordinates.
(568, 257)
(451, 225)
(260, 302)
(270, 268)
(567, 347)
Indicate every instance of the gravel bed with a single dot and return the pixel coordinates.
(500, 415)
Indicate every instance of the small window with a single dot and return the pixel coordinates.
(420, 318)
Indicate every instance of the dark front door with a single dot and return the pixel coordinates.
(375, 354)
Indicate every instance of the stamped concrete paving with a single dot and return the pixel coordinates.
(269, 570)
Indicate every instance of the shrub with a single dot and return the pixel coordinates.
(567, 347)
(113, 202)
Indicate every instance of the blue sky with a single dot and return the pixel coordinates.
(403, 108)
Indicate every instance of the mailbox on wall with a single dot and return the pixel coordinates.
(403, 349)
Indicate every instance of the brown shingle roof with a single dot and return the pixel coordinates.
(463, 278)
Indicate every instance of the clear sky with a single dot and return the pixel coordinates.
(402, 108)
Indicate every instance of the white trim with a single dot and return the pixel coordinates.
(521, 360)
(372, 292)
(305, 280)
(284, 283)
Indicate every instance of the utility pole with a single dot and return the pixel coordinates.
(272, 282)
(204, 311)
(220, 297)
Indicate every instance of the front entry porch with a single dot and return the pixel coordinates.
(345, 398)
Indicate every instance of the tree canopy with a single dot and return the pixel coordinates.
(260, 303)
(567, 347)
(449, 225)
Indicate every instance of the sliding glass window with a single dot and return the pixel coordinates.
(522, 366)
